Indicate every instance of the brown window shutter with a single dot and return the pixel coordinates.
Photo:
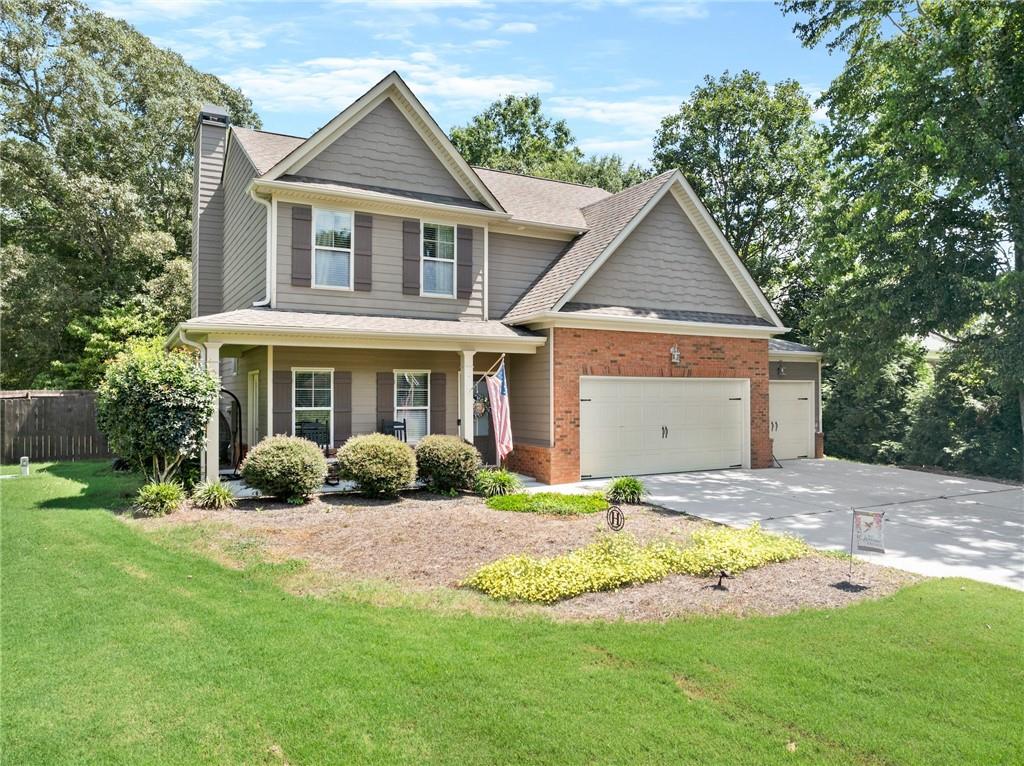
(282, 419)
(302, 237)
(411, 257)
(342, 407)
(464, 258)
(438, 417)
(362, 249)
(385, 397)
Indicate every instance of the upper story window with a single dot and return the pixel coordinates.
(332, 249)
(438, 261)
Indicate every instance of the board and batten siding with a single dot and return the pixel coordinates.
(529, 391)
(385, 297)
(513, 264)
(237, 382)
(207, 219)
(664, 264)
(798, 371)
(383, 150)
(364, 364)
(245, 235)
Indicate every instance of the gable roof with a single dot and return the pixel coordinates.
(264, 149)
(611, 220)
(392, 87)
(541, 200)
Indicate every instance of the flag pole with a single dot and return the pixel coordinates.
(490, 369)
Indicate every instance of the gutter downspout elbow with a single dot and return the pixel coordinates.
(264, 302)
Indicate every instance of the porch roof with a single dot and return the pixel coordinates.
(279, 325)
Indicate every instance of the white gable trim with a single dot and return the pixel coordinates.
(394, 88)
(709, 232)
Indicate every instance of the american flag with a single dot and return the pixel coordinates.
(497, 392)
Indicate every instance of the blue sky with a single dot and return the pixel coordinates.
(611, 68)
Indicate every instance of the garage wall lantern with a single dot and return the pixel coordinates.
(780, 370)
(674, 355)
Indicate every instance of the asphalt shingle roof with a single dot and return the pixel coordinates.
(790, 347)
(264, 149)
(541, 200)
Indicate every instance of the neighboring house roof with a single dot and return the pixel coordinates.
(605, 219)
(790, 347)
(541, 200)
(593, 309)
(264, 149)
(275, 320)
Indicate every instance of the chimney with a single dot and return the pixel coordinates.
(208, 209)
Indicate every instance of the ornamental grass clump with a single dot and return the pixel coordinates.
(492, 482)
(625, 489)
(213, 495)
(158, 498)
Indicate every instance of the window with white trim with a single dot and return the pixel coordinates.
(412, 403)
(438, 261)
(313, 405)
(332, 249)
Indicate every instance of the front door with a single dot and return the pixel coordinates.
(791, 416)
(483, 434)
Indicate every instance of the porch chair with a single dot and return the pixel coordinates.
(394, 427)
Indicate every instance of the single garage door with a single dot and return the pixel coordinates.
(791, 418)
(662, 425)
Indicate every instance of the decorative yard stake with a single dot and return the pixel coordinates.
(615, 518)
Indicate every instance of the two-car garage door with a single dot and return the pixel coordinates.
(662, 425)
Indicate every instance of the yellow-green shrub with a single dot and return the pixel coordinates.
(617, 560)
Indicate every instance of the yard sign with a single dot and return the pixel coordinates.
(868, 531)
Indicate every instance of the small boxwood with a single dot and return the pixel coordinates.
(379, 464)
(491, 482)
(447, 463)
(625, 489)
(553, 503)
(285, 467)
(158, 499)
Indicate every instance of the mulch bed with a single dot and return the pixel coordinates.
(425, 541)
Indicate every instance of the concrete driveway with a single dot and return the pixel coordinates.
(936, 525)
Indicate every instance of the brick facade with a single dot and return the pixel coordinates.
(601, 352)
(819, 444)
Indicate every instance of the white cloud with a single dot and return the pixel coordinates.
(478, 24)
(672, 12)
(637, 116)
(630, 149)
(135, 11)
(233, 34)
(330, 84)
(518, 27)
(416, 3)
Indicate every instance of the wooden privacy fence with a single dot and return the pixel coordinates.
(50, 425)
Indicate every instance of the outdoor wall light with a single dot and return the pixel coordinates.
(674, 355)
(780, 370)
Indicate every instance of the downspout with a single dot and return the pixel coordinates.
(181, 337)
(265, 300)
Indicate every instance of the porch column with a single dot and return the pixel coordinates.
(211, 463)
(466, 397)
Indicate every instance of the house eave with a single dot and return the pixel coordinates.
(645, 324)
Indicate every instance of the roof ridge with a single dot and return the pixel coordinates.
(619, 194)
(268, 132)
(539, 178)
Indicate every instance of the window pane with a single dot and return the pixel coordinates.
(303, 397)
(332, 268)
(303, 380)
(446, 250)
(333, 229)
(322, 397)
(446, 234)
(322, 380)
(411, 389)
(415, 424)
(437, 277)
(314, 425)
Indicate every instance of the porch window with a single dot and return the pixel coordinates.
(332, 254)
(313, 405)
(412, 403)
(438, 261)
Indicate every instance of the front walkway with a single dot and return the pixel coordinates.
(936, 525)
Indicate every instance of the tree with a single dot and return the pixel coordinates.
(753, 155)
(153, 406)
(923, 226)
(96, 158)
(514, 134)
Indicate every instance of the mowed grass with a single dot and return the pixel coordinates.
(118, 650)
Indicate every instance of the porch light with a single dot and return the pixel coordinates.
(674, 355)
(780, 370)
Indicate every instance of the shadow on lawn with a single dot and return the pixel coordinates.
(102, 487)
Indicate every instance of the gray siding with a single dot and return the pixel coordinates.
(664, 264)
(529, 392)
(513, 263)
(207, 219)
(798, 371)
(238, 384)
(383, 149)
(385, 298)
(364, 366)
(245, 235)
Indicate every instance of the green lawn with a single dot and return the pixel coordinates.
(118, 650)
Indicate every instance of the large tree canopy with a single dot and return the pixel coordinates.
(752, 154)
(97, 165)
(514, 134)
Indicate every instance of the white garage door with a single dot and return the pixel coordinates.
(791, 418)
(662, 425)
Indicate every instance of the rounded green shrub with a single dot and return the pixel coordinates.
(285, 467)
(625, 489)
(379, 464)
(158, 499)
(447, 463)
(493, 482)
(213, 495)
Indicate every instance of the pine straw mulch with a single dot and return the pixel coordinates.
(423, 542)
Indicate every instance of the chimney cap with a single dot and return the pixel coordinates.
(214, 114)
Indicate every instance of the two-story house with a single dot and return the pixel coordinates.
(368, 274)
